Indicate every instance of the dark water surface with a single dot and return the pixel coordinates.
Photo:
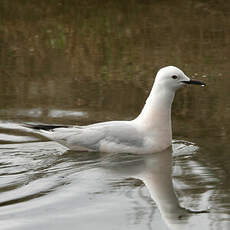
(79, 62)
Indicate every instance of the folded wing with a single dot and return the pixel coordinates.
(106, 137)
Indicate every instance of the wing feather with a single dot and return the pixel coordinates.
(93, 136)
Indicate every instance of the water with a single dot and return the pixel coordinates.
(82, 62)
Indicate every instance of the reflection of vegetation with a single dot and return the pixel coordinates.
(97, 36)
(57, 38)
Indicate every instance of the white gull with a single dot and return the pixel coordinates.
(150, 132)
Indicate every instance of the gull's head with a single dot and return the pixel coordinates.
(173, 78)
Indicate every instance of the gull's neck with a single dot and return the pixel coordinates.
(156, 114)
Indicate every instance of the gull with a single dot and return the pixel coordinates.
(149, 132)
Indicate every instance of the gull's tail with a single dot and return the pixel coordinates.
(44, 127)
(48, 131)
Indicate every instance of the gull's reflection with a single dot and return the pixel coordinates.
(155, 171)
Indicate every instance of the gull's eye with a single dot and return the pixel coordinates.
(174, 77)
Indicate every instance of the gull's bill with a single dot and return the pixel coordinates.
(194, 82)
